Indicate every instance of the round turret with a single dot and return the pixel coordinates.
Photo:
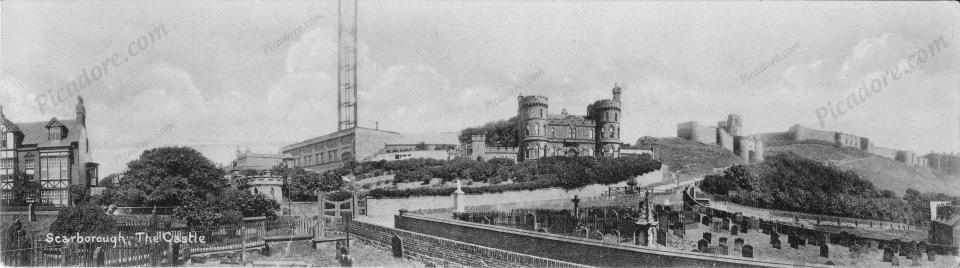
(532, 126)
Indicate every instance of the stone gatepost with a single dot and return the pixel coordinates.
(458, 199)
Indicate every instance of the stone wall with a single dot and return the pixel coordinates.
(564, 248)
(800, 133)
(445, 252)
(695, 132)
(725, 140)
(883, 151)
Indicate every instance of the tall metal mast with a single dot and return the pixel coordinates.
(347, 78)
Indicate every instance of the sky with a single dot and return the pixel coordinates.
(222, 75)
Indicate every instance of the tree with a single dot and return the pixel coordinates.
(421, 146)
(249, 204)
(498, 133)
(24, 186)
(78, 194)
(169, 176)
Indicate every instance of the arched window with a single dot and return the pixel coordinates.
(543, 113)
(528, 130)
(615, 117)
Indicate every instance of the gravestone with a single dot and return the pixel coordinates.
(887, 254)
(794, 243)
(722, 240)
(895, 260)
(705, 220)
(916, 259)
(662, 237)
(702, 245)
(397, 244)
(747, 251)
(774, 236)
(744, 225)
(723, 249)
(735, 230)
(738, 243)
(776, 244)
(824, 250)
(931, 255)
(708, 236)
(725, 225)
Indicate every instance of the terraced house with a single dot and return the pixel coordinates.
(55, 153)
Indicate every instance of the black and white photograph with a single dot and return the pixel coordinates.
(479, 133)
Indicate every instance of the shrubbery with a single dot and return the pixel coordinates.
(87, 219)
(557, 171)
(789, 182)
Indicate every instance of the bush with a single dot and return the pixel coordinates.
(248, 204)
(85, 219)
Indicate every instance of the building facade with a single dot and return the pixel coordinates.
(247, 160)
(542, 134)
(329, 151)
(55, 153)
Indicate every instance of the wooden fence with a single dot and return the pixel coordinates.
(134, 247)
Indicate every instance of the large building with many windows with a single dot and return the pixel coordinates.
(543, 134)
(55, 153)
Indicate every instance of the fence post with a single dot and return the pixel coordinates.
(98, 257)
(174, 253)
(243, 240)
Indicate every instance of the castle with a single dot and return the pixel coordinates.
(542, 134)
(727, 134)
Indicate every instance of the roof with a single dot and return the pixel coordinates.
(8, 123)
(36, 133)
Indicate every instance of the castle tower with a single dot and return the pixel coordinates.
(607, 115)
(734, 125)
(532, 128)
(478, 146)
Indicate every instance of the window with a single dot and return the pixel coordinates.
(615, 117)
(29, 164)
(54, 168)
(6, 167)
(55, 133)
(3, 140)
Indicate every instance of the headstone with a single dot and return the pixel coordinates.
(776, 244)
(722, 240)
(397, 246)
(738, 243)
(931, 255)
(702, 245)
(895, 260)
(705, 220)
(794, 243)
(824, 250)
(802, 241)
(725, 225)
(774, 236)
(747, 251)
(916, 259)
(708, 236)
(887, 254)
(735, 230)
(723, 249)
(662, 237)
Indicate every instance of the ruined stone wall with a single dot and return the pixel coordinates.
(883, 151)
(695, 132)
(800, 133)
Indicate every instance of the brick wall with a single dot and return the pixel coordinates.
(568, 249)
(446, 252)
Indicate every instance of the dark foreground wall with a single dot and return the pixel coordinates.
(569, 249)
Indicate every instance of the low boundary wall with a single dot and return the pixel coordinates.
(569, 249)
(446, 252)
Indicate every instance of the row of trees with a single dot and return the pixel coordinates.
(788, 181)
(499, 133)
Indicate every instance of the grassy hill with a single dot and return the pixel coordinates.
(694, 158)
(884, 173)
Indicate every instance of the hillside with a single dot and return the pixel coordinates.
(884, 173)
(695, 159)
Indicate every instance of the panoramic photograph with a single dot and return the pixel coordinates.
(480, 133)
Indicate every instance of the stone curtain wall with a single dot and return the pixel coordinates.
(694, 132)
(568, 249)
(446, 252)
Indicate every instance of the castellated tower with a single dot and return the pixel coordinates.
(532, 128)
(607, 115)
(734, 125)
